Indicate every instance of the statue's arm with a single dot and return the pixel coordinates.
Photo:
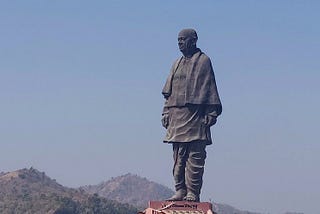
(211, 114)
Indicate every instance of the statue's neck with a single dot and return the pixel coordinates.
(189, 53)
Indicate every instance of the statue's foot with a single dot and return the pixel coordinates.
(191, 197)
(178, 196)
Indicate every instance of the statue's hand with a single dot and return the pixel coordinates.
(165, 120)
(210, 120)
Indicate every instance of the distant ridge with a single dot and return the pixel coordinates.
(227, 209)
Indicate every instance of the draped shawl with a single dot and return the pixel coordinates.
(201, 86)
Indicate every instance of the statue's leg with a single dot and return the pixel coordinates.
(194, 170)
(180, 155)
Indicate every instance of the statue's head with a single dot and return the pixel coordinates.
(187, 41)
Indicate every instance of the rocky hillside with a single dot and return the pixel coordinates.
(130, 189)
(29, 191)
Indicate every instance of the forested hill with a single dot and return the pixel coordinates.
(131, 189)
(28, 191)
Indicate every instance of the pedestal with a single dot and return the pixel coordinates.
(178, 207)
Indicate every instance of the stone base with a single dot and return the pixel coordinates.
(178, 207)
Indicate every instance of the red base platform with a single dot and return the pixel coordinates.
(178, 207)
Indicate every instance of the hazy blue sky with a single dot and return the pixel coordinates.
(81, 81)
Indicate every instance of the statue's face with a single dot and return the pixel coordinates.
(185, 43)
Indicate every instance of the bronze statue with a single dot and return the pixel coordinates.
(192, 105)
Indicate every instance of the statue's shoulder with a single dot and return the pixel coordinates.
(177, 60)
(176, 63)
(204, 57)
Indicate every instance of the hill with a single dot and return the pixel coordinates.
(130, 189)
(29, 191)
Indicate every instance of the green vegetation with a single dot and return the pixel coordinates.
(29, 191)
